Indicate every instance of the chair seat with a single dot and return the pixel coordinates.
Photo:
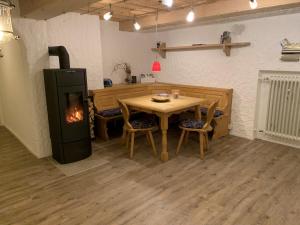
(110, 112)
(192, 123)
(218, 113)
(144, 123)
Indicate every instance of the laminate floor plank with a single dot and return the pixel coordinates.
(240, 182)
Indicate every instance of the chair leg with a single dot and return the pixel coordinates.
(201, 137)
(128, 139)
(206, 141)
(148, 138)
(152, 142)
(132, 145)
(180, 141)
(186, 139)
(124, 135)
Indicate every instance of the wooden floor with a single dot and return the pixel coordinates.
(240, 182)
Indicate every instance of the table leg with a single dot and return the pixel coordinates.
(197, 112)
(164, 130)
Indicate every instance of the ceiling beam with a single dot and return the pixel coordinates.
(211, 11)
(46, 9)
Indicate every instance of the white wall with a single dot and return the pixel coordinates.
(80, 34)
(240, 71)
(21, 85)
(22, 89)
(120, 47)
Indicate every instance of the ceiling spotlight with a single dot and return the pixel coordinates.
(253, 4)
(137, 26)
(107, 16)
(168, 3)
(190, 16)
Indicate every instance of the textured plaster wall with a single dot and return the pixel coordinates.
(120, 47)
(80, 34)
(22, 90)
(240, 71)
(21, 86)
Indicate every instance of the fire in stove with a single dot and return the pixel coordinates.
(74, 115)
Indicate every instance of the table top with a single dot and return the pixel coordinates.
(145, 102)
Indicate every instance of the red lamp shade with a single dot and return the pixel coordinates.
(156, 66)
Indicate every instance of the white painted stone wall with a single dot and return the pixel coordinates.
(80, 34)
(21, 86)
(240, 71)
(120, 47)
(22, 89)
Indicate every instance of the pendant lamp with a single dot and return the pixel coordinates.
(156, 68)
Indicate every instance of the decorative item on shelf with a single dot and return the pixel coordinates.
(126, 68)
(225, 37)
(148, 78)
(290, 51)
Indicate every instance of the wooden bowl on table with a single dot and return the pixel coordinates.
(161, 98)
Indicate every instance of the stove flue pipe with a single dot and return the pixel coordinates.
(63, 55)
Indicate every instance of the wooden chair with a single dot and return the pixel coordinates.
(200, 126)
(132, 127)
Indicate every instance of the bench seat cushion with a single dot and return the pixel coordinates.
(111, 112)
(218, 113)
(192, 123)
(143, 123)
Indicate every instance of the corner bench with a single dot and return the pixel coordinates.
(106, 99)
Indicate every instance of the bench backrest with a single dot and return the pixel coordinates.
(107, 98)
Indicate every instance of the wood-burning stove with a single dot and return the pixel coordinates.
(67, 104)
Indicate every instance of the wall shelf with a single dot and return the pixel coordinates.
(163, 49)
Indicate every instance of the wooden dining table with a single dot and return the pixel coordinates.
(164, 110)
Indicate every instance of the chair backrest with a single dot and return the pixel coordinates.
(210, 114)
(126, 114)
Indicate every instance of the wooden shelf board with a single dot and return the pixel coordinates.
(204, 46)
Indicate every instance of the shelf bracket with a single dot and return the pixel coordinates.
(227, 47)
(161, 49)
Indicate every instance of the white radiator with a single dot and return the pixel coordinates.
(278, 107)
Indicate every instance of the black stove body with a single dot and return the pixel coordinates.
(66, 94)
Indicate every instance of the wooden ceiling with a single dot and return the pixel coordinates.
(124, 10)
(145, 10)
